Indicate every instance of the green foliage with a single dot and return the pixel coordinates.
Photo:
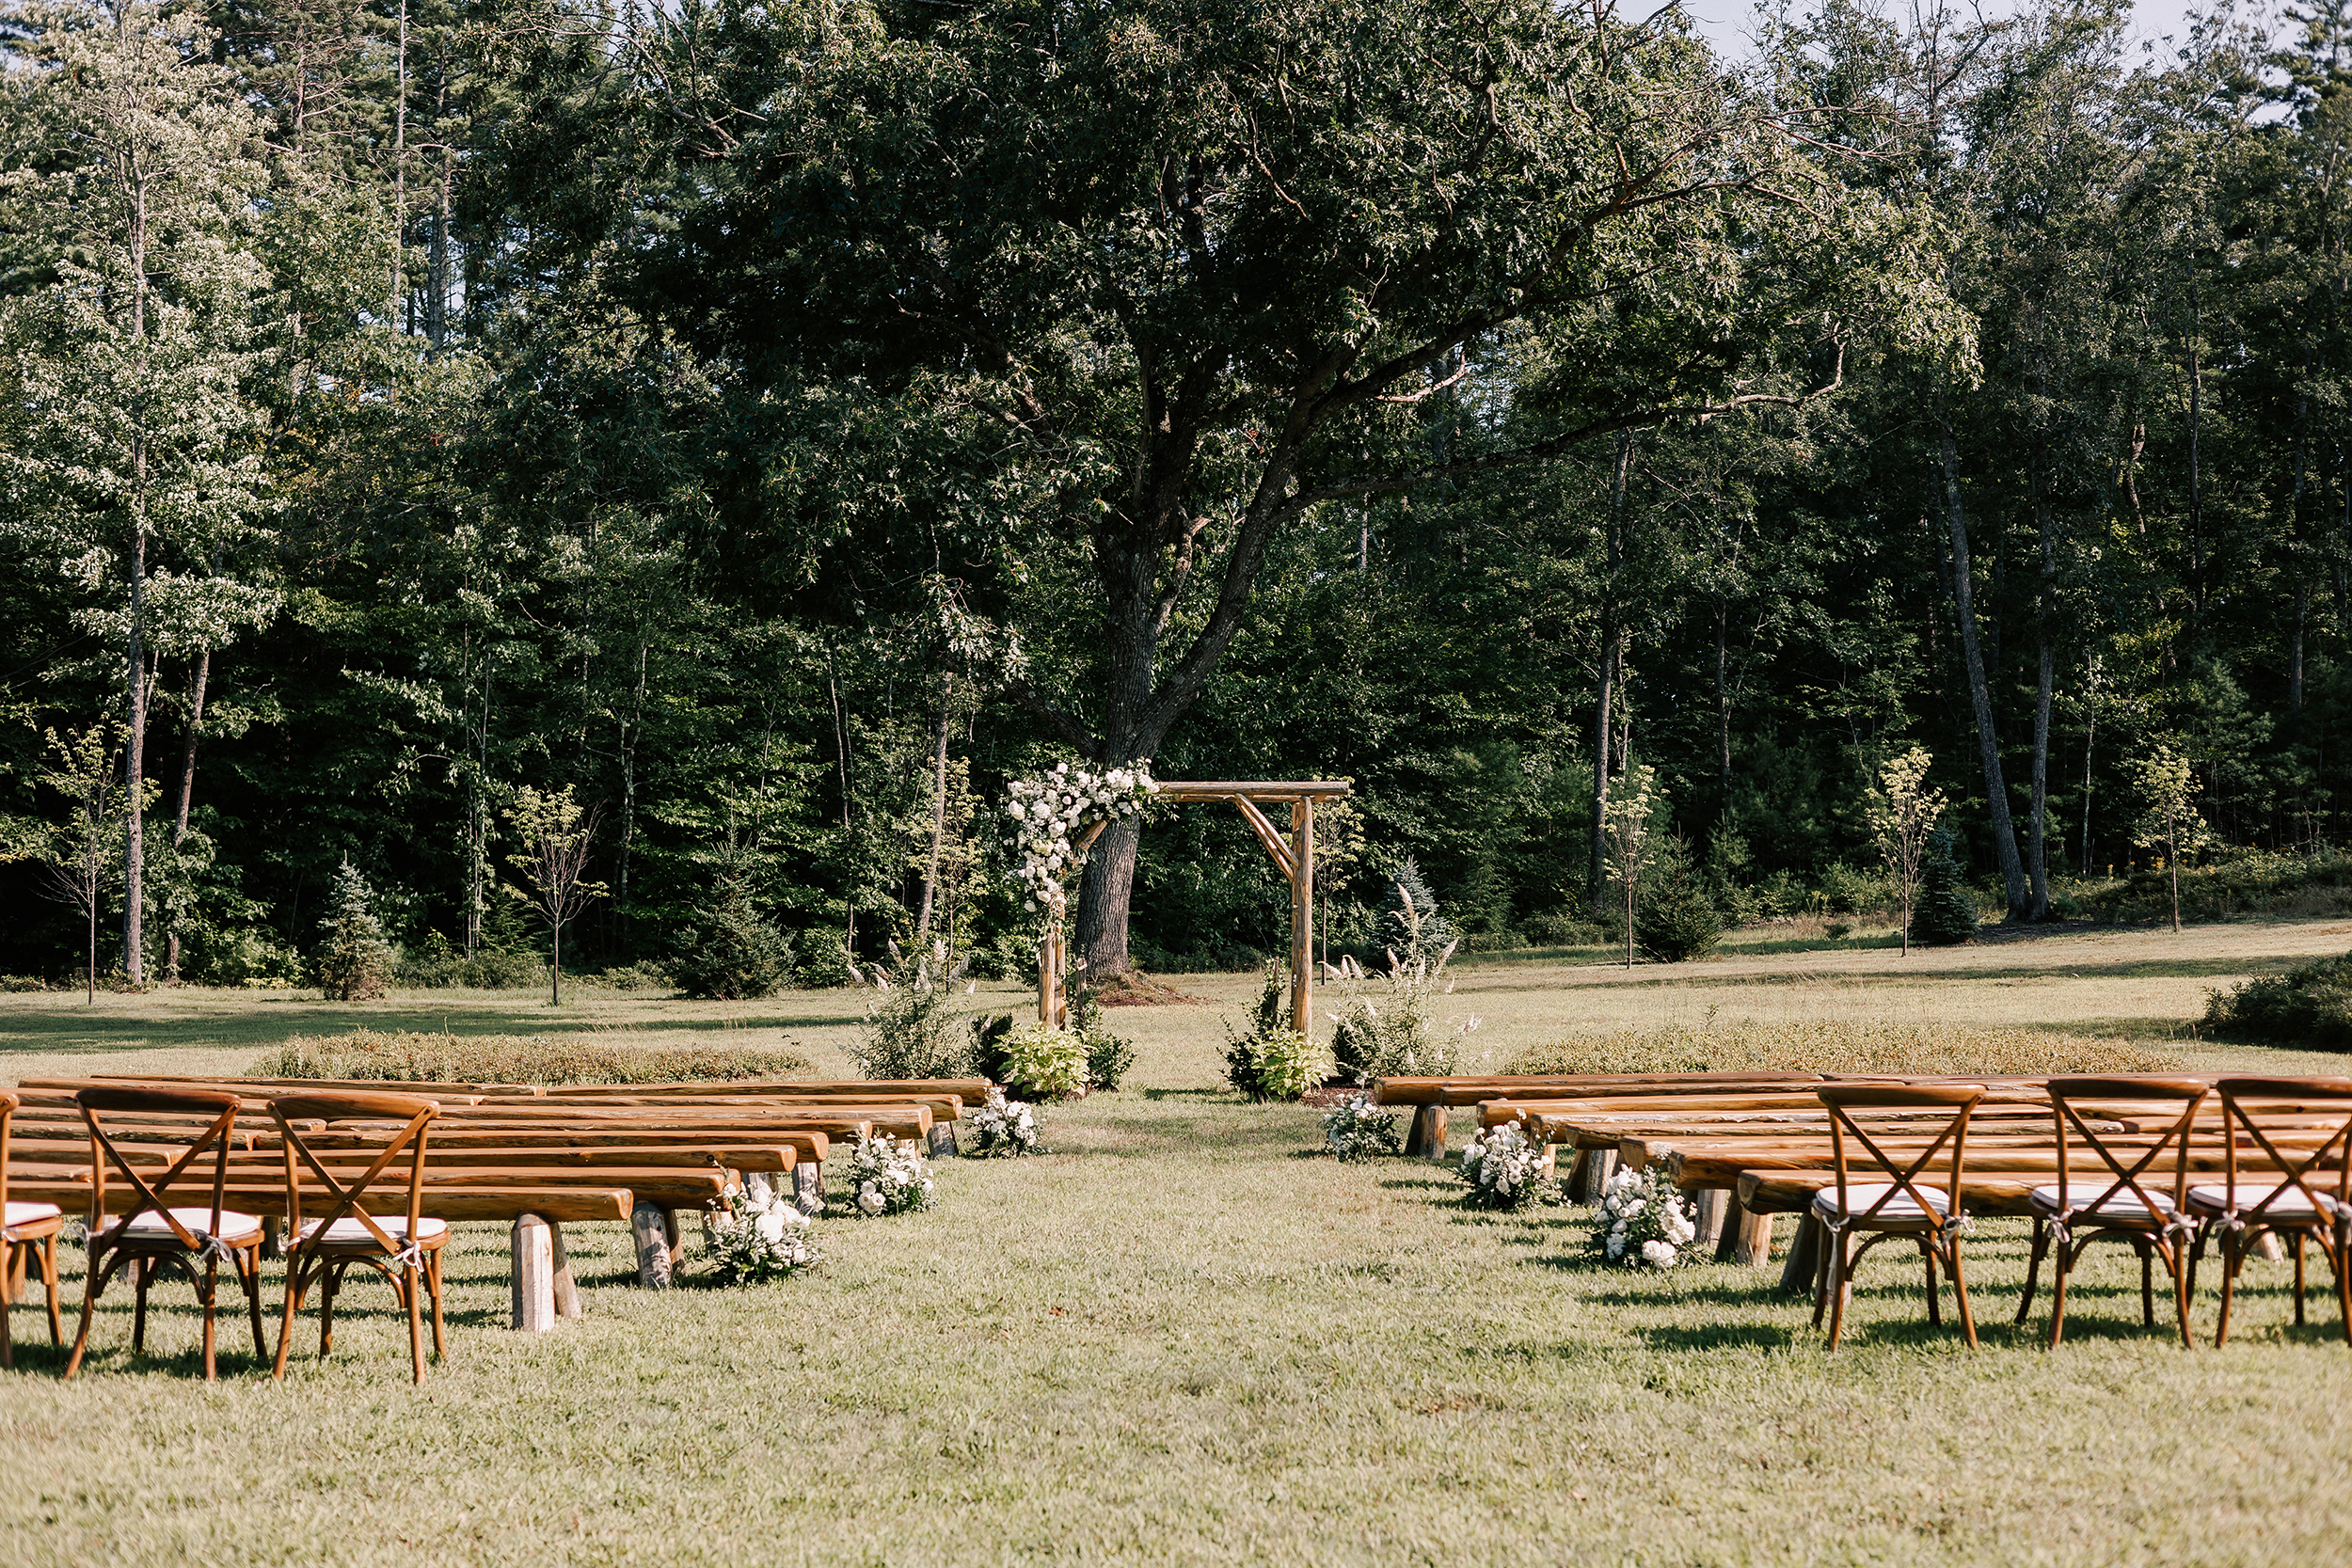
(552, 1060)
(1109, 1057)
(1675, 922)
(1043, 1064)
(355, 962)
(726, 949)
(1945, 911)
(912, 1031)
(1270, 1060)
(2309, 1008)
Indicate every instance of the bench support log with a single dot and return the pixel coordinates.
(531, 1275)
(653, 1246)
(675, 1237)
(808, 1187)
(1428, 1139)
(943, 1137)
(566, 1288)
(1599, 1166)
(1804, 1255)
(1754, 1235)
(1712, 1204)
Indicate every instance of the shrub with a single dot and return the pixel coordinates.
(1384, 1025)
(2309, 1006)
(1946, 911)
(1272, 1061)
(1675, 922)
(502, 969)
(550, 1060)
(431, 964)
(985, 1056)
(726, 950)
(1109, 1057)
(355, 960)
(1562, 928)
(1848, 891)
(911, 1029)
(636, 977)
(1045, 1063)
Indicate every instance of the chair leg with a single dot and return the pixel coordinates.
(2178, 1266)
(1935, 1309)
(433, 1261)
(2233, 1251)
(2298, 1279)
(48, 1277)
(330, 1279)
(2340, 1255)
(2033, 1267)
(285, 1321)
(141, 1270)
(2147, 1284)
(90, 1301)
(1841, 1286)
(212, 1293)
(8, 1338)
(249, 1275)
(1824, 1269)
(1960, 1295)
(2062, 1264)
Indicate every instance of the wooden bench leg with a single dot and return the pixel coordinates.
(808, 1187)
(653, 1246)
(1711, 1205)
(532, 1274)
(1805, 1255)
(566, 1288)
(272, 1236)
(943, 1140)
(1755, 1239)
(1426, 1141)
(1599, 1166)
(675, 1238)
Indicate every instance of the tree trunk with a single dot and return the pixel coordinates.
(1613, 640)
(1105, 890)
(1722, 699)
(2195, 463)
(939, 812)
(2046, 679)
(1980, 698)
(135, 779)
(187, 788)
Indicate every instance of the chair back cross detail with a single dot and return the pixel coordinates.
(1843, 1098)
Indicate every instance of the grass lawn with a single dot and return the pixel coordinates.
(1187, 1338)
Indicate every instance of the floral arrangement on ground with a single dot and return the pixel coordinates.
(1002, 1129)
(1644, 1221)
(762, 1237)
(1504, 1168)
(1356, 1129)
(891, 1176)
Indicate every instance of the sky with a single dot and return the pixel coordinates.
(1727, 22)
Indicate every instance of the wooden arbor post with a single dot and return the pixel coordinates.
(1296, 857)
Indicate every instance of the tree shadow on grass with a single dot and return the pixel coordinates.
(1717, 1336)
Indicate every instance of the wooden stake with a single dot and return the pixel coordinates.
(530, 1275)
(1302, 916)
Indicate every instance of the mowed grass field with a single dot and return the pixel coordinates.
(1187, 1338)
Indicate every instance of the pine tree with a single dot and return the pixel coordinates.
(727, 950)
(356, 961)
(1946, 913)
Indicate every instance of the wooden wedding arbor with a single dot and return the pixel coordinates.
(1296, 857)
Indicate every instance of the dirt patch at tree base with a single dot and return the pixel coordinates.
(1136, 988)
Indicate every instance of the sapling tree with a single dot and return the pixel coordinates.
(556, 831)
(1625, 826)
(81, 858)
(1904, 811)
(2172, 822)
(356, 960)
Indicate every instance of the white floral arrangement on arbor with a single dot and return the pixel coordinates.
(1356, 1128)
(1002, 1129)
(1504, 1168)
(1047, 811)
(1644, 1221)
(891, 1177)
(762, 1237)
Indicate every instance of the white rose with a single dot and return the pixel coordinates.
(771, 1227)
(1662, 1254)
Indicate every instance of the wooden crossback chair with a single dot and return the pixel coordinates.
(1900, 1206)
(27, 1231)
(2069, 1214)
(152, 1234)
(404, 1248)
(2309, 1198)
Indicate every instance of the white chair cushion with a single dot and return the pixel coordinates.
(2126, 1205)
(25, 1214)
(1861, 1195)
(233, 1226)
(350, 1232)
(2294, 1206)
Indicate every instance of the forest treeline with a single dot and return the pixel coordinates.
(783, 424)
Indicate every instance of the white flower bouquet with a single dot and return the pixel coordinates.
(1504, 1168)
(761, 1237)
(891, 1177)
(1001, 1128)
(1047, 810)
(1356, 1129)
(1644, 1221)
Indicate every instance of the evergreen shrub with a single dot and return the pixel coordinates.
(1675, 922)
(726, 950)
(356, 960)
(1109, 1057)
(2309, 1006)
(1946, 913)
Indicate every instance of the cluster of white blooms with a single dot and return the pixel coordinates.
(1504, 1168)
(1643, 1220)
(762, 1237)
(1356, 1128)
(1048, 810)
(891, 1177)
(1002, 1126)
